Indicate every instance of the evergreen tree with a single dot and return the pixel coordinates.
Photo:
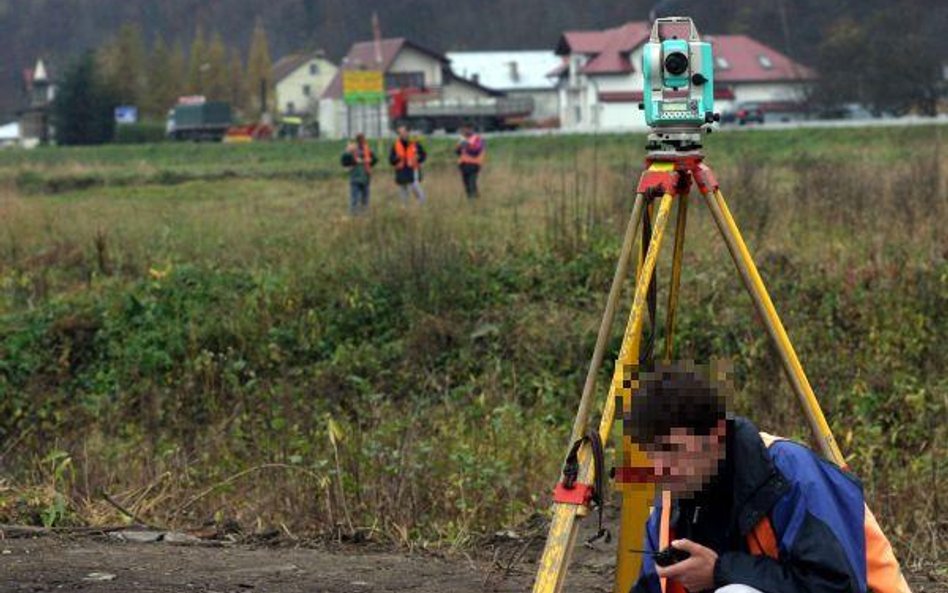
(197, 64)
(163, 83)
(237, 81)
(216, 71)
(83, 111)
(122, 62)
(260, 71)
(177, 68)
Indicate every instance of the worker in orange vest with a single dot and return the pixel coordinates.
(359, 160)
(406, 156)
(471, 152)
(744, 511)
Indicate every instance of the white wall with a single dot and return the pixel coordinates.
(411, 60)
(338, 120)
(580, 109)
(621, 115)
(768, 91)
(546, 103)
(291, 88)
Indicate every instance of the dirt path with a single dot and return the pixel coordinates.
(97, 565)
(50, 564)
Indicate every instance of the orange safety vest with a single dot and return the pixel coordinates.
(407, 158)
(883, 574)
(465, 158)
(366, 157)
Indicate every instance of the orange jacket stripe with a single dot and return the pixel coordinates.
(407, 157)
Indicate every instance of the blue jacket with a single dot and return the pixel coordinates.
(816, 513)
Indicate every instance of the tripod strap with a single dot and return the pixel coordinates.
(569, 491)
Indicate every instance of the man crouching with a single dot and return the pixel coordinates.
(753, 512)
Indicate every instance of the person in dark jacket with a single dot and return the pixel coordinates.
(471, 152)
(358, 158)
(753, 512)
(406, 156)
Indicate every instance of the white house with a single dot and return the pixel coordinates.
(406, 65)
(300, 81)
(10, 134)
(516, 73)
(600, 80)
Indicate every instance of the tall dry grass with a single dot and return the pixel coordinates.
(240, 351)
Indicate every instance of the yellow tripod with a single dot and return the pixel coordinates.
(667, 179)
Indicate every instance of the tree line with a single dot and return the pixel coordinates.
(126, 71)
(885, 55)
(153, 77)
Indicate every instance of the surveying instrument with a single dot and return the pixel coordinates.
(678, 100)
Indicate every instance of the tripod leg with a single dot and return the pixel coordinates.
(551, 573)
(676, 275)
(765, 307)
(608, 316)
(636, 497)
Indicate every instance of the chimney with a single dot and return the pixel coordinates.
(514, 71)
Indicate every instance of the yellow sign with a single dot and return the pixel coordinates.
(363, 85)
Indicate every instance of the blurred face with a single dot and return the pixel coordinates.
(403, 132)
(685, 462)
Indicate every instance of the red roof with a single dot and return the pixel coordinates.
(738, 58)
(362, 55)
(609, 49)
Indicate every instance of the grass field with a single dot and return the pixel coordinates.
(203, 333)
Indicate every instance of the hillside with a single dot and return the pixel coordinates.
(816, 33)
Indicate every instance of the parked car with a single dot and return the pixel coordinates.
(749, 113)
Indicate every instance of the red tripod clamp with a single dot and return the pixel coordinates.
(658, 182)
(704, 177)
(579, 493)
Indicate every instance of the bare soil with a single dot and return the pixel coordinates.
(100, 564)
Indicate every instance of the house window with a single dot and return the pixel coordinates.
(765, 62)
(403, 80)
(313, 69)
(290, 107)
(722, 63)
(307, 91)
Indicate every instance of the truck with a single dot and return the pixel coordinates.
(426, 111)
(198, 120)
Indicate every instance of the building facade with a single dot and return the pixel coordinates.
(600, 86)
(300, 81)
(405, 66)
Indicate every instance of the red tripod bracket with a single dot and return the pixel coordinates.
(704, 177)
(635, 475)
(658, 182)
(580, 494)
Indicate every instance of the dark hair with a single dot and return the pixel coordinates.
(674, 396)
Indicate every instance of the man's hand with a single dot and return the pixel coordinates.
(696, 573)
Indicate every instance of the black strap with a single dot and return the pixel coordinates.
(571, 473)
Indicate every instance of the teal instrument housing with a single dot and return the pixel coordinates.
(684, 98)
